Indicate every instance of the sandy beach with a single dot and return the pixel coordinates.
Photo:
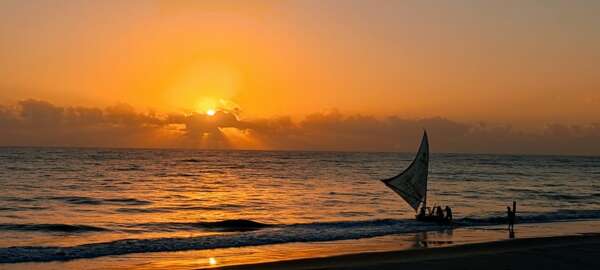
(562, 252)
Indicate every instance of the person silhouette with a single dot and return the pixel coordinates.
(439, 213)
(511, 215)
(448, 211)
(421, 214)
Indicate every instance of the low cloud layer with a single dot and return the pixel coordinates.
(39, 123)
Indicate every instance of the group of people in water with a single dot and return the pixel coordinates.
(435, 214)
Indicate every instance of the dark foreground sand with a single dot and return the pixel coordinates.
(564, 252)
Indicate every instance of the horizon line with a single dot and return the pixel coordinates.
(289, 150)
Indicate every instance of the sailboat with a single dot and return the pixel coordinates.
(411, 184)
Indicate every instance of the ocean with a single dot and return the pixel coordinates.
(69, 203)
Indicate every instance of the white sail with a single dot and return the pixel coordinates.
(411, 184)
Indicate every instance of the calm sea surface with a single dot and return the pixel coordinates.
(54, 200)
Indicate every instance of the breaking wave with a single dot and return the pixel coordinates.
(230, 225)
(252, 233)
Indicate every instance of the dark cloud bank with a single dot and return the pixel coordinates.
(39, 123)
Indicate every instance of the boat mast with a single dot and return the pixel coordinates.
(425, 199)
(426, 182)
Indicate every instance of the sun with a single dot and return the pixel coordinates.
(210, 112)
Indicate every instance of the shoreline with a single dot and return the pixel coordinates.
(431, 248)
(556, 252)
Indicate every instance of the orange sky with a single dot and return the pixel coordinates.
(524, 63)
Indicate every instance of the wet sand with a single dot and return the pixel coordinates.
(561, 252)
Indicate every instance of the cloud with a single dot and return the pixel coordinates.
(40, 123)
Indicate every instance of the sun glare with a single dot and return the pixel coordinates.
(212, 261)
(210, 112)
